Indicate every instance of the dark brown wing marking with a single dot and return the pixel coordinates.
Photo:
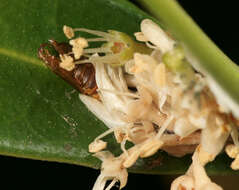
(82, 77)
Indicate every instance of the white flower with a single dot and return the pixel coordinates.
(195, 178)
(111, 169)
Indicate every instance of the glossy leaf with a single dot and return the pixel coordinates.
(41, 116)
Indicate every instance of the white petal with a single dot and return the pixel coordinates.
(156, 35)
(109, 78)
(100, 111)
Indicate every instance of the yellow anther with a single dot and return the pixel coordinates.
(67, 62)
(68, 31)
(232, 150)
(78, 45)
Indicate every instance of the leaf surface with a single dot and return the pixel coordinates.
(41, 117)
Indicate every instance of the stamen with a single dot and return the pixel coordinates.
(67, 62)
(97, 50)
(111, 130)
(83, 61)
(111, 184)
(122, 146)
(110, 59)
(107, 59)
(95, 32)
(96, 39)
(70, 53)
(88, 56)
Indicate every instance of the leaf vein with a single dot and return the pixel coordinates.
(20, 56)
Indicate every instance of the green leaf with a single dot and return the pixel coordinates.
(41, 117)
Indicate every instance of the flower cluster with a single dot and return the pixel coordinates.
(150, 95)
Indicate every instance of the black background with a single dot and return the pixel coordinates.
(219, 19)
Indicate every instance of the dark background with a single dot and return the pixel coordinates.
(219, 20)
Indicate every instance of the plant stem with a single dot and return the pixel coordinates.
(211, 60)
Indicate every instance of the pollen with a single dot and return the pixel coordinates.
(78, 45)
(68, 31)
(232, 151)
(81, 42)
(67, 62)
(235, 163)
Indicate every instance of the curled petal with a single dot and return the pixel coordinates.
(156, 35)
